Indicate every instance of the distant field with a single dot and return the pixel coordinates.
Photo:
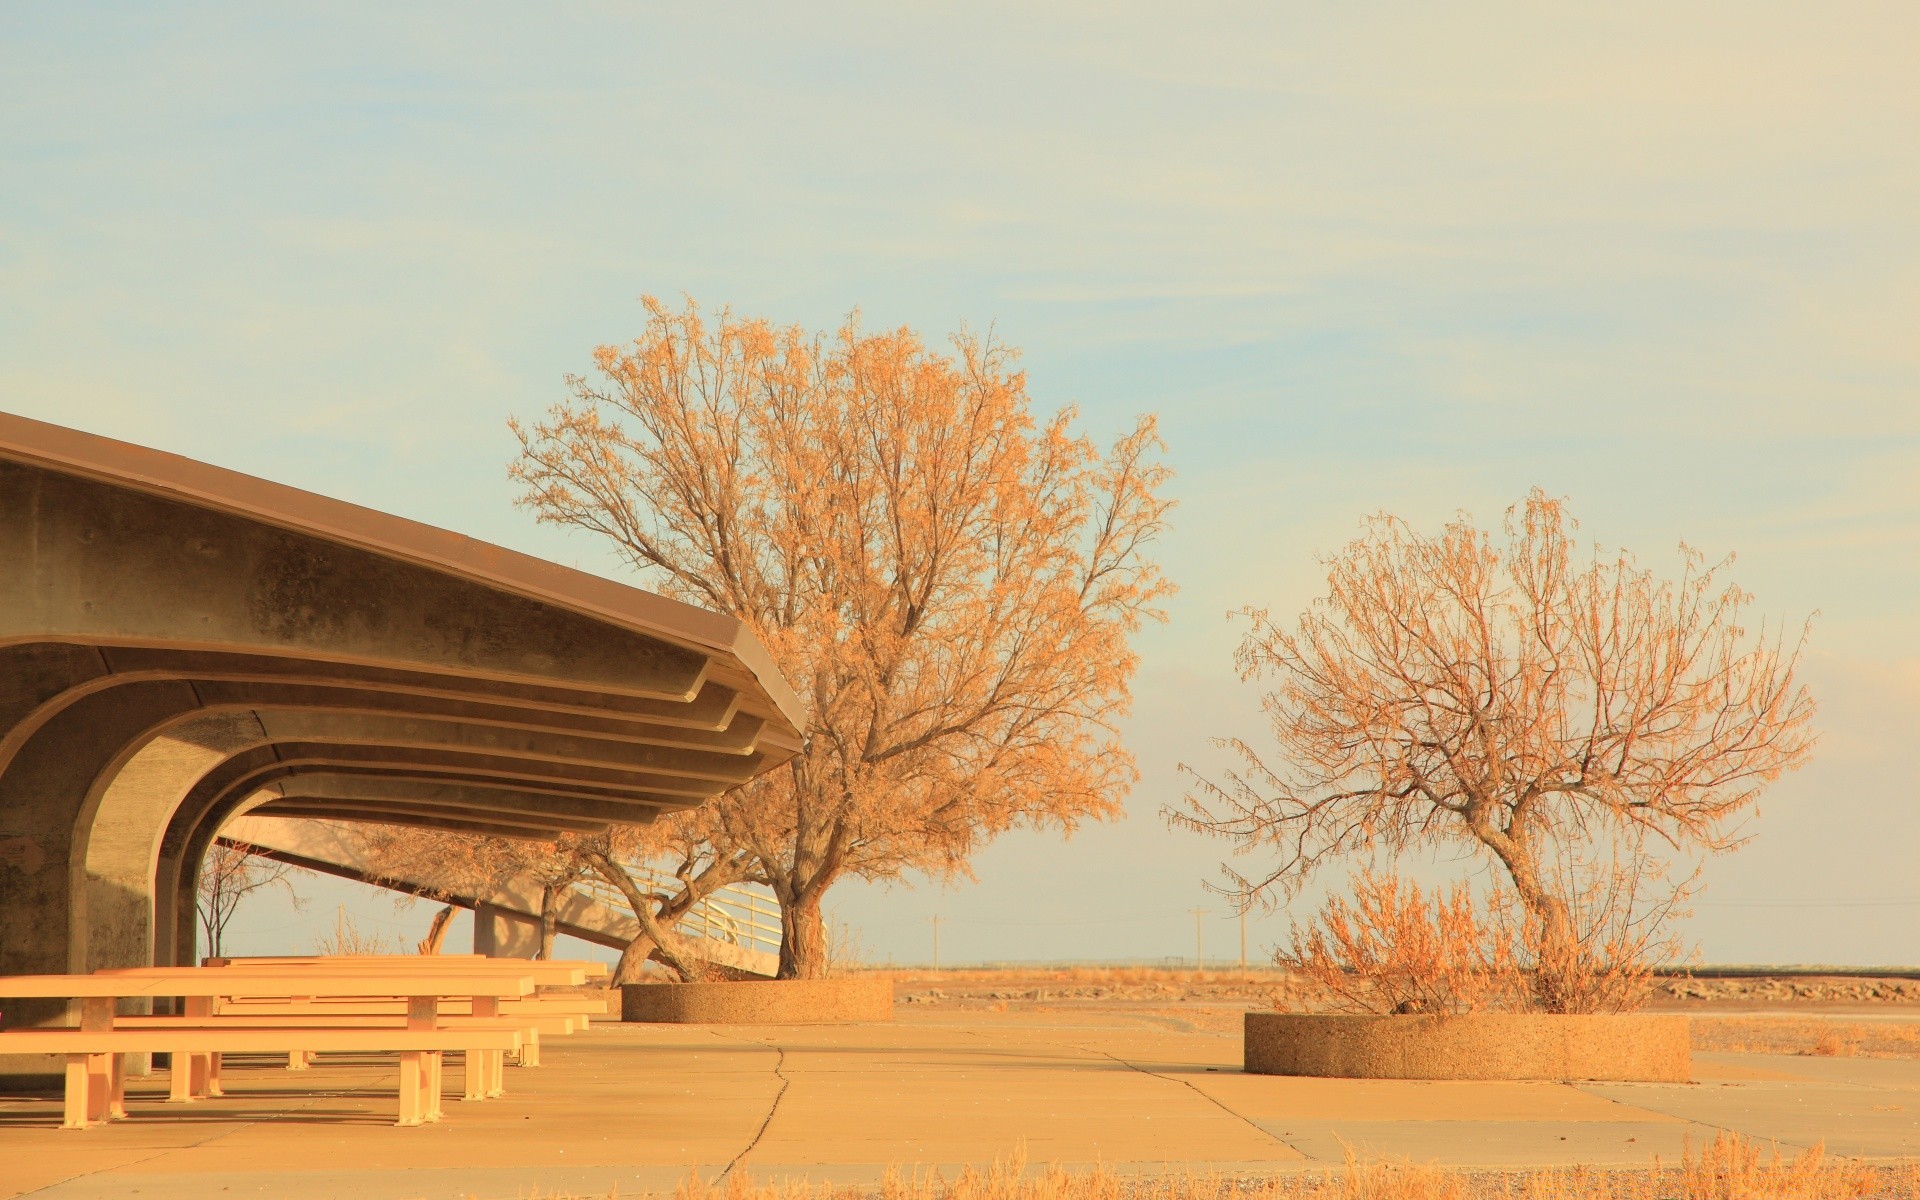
(1829, 1015)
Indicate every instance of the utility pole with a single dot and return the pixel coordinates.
(936, 941)
(1199, 955)
(1243, 943)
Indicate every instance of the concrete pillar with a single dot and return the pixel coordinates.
(499, 933)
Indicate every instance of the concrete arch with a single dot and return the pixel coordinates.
(123, 838)
(71, 766)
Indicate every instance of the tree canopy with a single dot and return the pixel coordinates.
(1560, 712)
(949, 582)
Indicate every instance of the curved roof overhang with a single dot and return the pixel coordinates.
(180, 643)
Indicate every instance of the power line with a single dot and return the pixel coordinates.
(1885, 903)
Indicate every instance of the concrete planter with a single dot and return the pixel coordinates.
(1641, 1047)
(760, 1002)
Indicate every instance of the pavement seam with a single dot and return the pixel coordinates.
(779, 1063)
(1210, 1099)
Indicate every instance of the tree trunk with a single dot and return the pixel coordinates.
(549, 921)
(803, 936)
(653, 940)
(437, 932)
(633, 957)
(1559, 965)
(1561, 972)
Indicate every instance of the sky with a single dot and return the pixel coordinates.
(1660, 259)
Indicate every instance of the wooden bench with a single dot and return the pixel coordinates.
(93, 1096)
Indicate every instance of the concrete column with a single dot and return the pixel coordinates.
(499, 933)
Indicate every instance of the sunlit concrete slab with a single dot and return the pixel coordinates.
(637, 1107)
(1858, 1107)
(1496, 1144)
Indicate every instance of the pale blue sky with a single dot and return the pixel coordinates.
(1661, 259)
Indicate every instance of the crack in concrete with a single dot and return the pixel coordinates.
(1210, 1099)
(779, 1072)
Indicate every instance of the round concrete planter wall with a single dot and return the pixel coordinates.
(760, 1002)
(1642, 1047)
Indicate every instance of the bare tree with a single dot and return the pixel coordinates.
(446, 865)
(229, 875)
(699, 868)
(949, 584)
(1564, 719)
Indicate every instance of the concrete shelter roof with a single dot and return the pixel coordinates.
(181, 644)
(123, 464)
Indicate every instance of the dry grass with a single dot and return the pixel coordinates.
(347, 938)
(1822, 1037)
(1731, 1168)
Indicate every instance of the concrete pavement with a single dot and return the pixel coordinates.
(637, 1107)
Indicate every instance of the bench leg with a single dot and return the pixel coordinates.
(436, 1074)
(74, 1113)
(530, 1050)
(117, 1097)
(497, 1072)
(413, 1087)
(99, 1086)
(213, 1075)
(475, 1074)
(299, 1060)
(180, 1077)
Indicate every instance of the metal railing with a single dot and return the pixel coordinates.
(739, 914)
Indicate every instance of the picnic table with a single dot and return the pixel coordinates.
(565, 970)
(558, 1014)
(95, 1073)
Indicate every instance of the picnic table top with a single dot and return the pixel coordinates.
(212, 981)
(574, 971)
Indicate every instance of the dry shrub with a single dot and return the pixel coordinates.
(846, 949)
(1397, 949)
(1833, 1045)
(348, 938)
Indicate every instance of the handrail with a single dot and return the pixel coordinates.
(733, 914)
